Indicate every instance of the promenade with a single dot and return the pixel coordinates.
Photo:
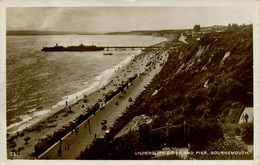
(72, 144)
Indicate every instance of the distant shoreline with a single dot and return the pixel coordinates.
(36, 32)
(139, 32)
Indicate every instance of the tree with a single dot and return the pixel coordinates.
(247, 132)
(236, 92)
(234, 25)
(202, 133)
(196, 28)
(145, 135)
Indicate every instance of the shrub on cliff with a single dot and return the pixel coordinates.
(225, 108)
(247, 132)
(199, 97)
(216, 104)
(220, 94)
(145, 136)
(225, 145)
(236, 92)
(158, 138)
(202, 133)
(122, 148)
(212, 90)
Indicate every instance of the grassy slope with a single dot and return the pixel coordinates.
(227, 83)
(195, 86)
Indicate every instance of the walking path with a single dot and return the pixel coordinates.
(249, 111)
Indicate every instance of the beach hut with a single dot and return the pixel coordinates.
(67, 127)
(72, 124)
(56, 135)
(41, 146)
(49, 140)
(81, 118)
(62, 132)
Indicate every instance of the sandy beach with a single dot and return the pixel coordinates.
(140, 65)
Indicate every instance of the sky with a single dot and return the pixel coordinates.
(111, 19)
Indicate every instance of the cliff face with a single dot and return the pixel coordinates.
(205, 82)
(206, 77)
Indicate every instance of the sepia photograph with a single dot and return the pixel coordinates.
(129, 83)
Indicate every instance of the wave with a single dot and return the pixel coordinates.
(27, 120)
(100, 80)
(107, 74)
(72, 98)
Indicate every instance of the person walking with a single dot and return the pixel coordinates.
(246, 117)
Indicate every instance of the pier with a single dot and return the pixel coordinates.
(92, 47)
(128, 47)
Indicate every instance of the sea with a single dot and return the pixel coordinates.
(37, 81)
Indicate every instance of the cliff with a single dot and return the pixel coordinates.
(200, 92)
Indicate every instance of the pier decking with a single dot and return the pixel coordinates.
(120, 48)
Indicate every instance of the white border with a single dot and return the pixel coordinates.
(77, 3)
